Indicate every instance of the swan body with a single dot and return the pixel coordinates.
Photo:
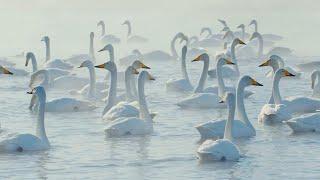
(182, 84)
(269, 37)
(133, 38)
(69, 82)
(309, 66)
(133, 125)
(30, 142)
(305, 123)
(222, 149)
(241, 128)
(69, 105)
(107, 38)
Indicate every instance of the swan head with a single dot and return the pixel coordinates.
(132, 70)
(107, 47)
(238, 41)
(138, 64)
(223, 22)
(255, 35)
(241, 26)
(29, 55)
(86, 63)
(283, 73)
(5, 71)
(110, 65)
(314, 76)
(223, 61)
(145, 75)
(274, 61)
(204, 29)
(249, 81)
(253, 22)
(126, 22)
(45, 39)
(202, 57)
(100, 23)
(40, 92)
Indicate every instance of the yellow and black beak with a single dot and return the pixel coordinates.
(101, 50)
(265, 63)
(6, 71)
(221, 101)
(241, 42)
(228, 61)
(144, 66)
(287, 73)
(151, 78)
(100, 66)
(197, 59)
(255, 83)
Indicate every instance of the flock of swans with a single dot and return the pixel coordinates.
(126, 110)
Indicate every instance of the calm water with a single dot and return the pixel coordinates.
(79, 146)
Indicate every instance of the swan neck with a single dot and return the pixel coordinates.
(34, 63)
(260, 50)
(127, 80)
(48, 54)
(103, 29)
(184, 68)
(173, 47)
(144, 111)
(129, 29)
(275, 89)
(92, 75)
(221, 85)
(229, 124)
(91, 49)
(41, 132)
(112, 94)
(233, 57)
(203, 77)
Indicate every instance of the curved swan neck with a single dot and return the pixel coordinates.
(103, 28)
(240, 105)
(229, 124)
(256, 27)
(91, 49)
(33, 61)
(275, 88)
(112, 94)
(48, 54)
(173, 43)
(204, 74)
(129, 28)
(183, 64)
(111, 53)
(144, 111)
(221, 86)
(233, 56)
(40, 131)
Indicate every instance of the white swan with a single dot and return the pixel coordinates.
(133, 125)
(30, 142)
(210, 34)
(221, 89)
(269, 37)
(305, 123)
(242, 127)
(133, 38)
(228, 72)
(53, 72)
(193, 51)
(222, 149)
(309, 66)
(242, 34)
(77, 59)
(107, 38)
(277, 110)
(53, 63)
(277, 62)
(315, 83)
(200, 99)
(182, 84)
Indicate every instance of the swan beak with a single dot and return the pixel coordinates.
(26, 63)
(221, 101)
(6, 71)
(30, 92)
(144, 66)
(255, 83)
(197, 59)
(265, 63)
(229, 62)
(151, 78)
(100, 66)
(80, 66)
(287, 73)
(135, 71)
(241, 42)
(101, 50)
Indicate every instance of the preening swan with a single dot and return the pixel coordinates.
(315, 80)
(132, 125)
(242, 127)
(200, 99)
(53, 72)
(77, 59)
(30, 142)
(133, 38)
(182, 84)
(222, 149)
(107, 38)
(53, 63)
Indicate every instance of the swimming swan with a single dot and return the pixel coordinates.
(133, 125)
(242, 127)
(222, 149)
(107, 38)
(133, 38)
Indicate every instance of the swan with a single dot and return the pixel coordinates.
(199, 99)
(182, 84)
(278, 110)
(77, 59)
(305, 123)
(269, 37)
(242, 127)
(193, 51)
(227, 72)
(210, 34)
(107, 38)
(223, 22)
(277, 62)
(242, 33)
(133, 125)
(53, 72)
(53, 63)
(133, 38)
(315, 83)
(222, 149)
(30, 142)
(309, 66)
(221, 89)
